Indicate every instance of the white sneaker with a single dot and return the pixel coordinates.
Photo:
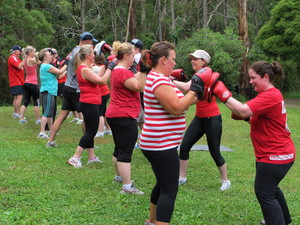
(43, 135)
(131, 190)
(75, 162)
(95, 160)
(75, 120)
(225, 185)
(79, 122)
(51, 145)
(16, 115)
(182, 181)
(99, 134)
(38, 122)
(108, 132)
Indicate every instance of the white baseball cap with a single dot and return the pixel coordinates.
(201, 54)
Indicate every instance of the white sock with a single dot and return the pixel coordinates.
(127, 186)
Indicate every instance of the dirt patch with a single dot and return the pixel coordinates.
(293, 103)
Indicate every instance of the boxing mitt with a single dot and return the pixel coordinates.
(197, 86)
(102, 47)
(221, 91)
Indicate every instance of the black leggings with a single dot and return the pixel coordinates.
(268, 193)
(212, 127)
(31, 91)
(90, 114)
(125, 132)
(165, 165)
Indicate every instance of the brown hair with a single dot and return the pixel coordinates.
(158, 50)
(274, 70)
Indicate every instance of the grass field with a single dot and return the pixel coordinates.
(37, 186)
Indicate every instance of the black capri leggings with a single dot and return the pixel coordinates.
(31, 91)
(212, 127)
(165, 165)
(125, 132)
(268, 193)
(90, 114)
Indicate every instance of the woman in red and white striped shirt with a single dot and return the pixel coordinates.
(165, 107)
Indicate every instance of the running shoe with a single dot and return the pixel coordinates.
(131, 190)
(75, 120)
(225, 185)
(23, 121)
(43, 135)
(95, 160)
(38, 122)
(75, 162)
(108, 132)
(147, 222)
(99, 134)
(182, 181)
(16, 115)
(51, 144)
(79, 122)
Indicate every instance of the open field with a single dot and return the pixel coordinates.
(37, 186)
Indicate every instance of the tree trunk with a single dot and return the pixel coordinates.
(226, 6)
(131, 21)
(159, 20)
(143, 12)
(205, 12)
(243, 32)
(82, 15)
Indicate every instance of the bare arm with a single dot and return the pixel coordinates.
(169, 100)
(57, 71)
(136, 83)
(182, 86)
(238, 108)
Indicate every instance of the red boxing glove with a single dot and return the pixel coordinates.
(206, 75)
(111, 57)
(214, 78)
(179, 75)
(221, 91)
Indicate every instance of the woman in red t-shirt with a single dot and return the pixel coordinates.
(89, 102)
(122, 112)
(208, 121)
(270, 135)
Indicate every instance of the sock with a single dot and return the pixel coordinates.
(127, 186)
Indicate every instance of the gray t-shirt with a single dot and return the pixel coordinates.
(71, 73)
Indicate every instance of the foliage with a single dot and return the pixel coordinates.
(280, 37)
(225, 51)
(37, 186)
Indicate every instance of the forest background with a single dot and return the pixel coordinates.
(234, 32)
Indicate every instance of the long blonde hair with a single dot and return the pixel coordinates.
(81, 55)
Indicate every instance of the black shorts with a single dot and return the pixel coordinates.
(60, 89)
(71, 99)
(16, 90)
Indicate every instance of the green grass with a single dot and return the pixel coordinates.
(37, 186)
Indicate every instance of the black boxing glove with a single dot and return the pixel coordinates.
(197, 86)
(144, 68)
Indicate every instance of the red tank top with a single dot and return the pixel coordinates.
(89, 92)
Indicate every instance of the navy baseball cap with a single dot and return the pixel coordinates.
(87, 36)
(137, 43)
(15, 48)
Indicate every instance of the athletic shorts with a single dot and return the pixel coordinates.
(48, 104)
(71, 99)
(16, 90)
(60, 89)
